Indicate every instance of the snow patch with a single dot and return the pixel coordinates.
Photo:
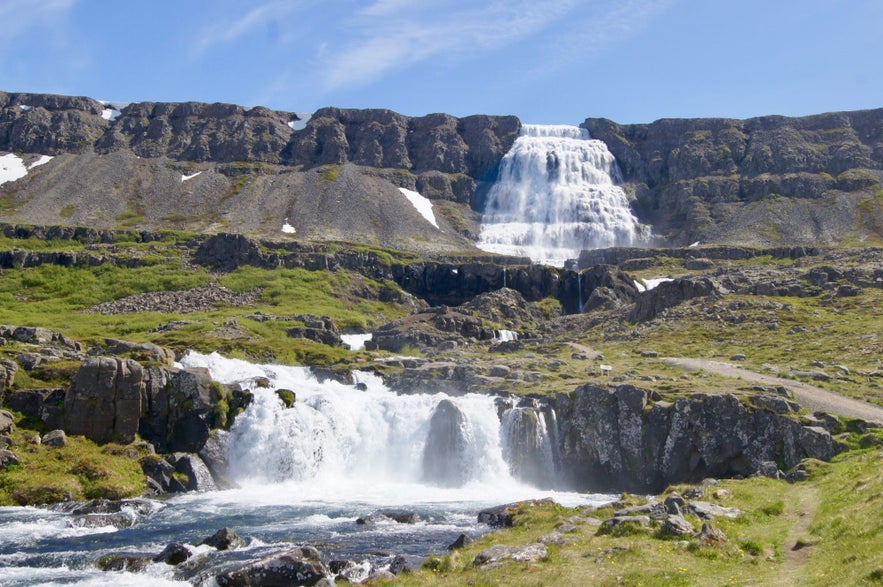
(24, 107)
(12, 168)
(110, 114)
(302, 119)
(421, 204)
(187, 177)
(696, 244)
(43, 160)
(287, 228)
(648, 284)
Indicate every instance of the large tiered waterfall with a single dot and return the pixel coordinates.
(557, 195)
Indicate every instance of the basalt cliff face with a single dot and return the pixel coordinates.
(336, 174)
(213, 167)
(811, 180)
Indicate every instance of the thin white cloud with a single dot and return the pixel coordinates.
(392, 35)
(20, 16)
(228, 31)
(617, 21)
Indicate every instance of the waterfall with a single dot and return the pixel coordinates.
(557, 195)
(354, 434)
(528, 444)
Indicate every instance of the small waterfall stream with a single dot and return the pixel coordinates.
(556, 195)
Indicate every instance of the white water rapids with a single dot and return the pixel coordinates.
(305, 474)
(556, 195)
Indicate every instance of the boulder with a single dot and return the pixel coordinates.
(173, 554)
(214, 455)
(129, 563)
(7, 458)
(676, 525)
(499, 553)
(402, 563)
(161, 475)
(709, 535)
(444, 455)
(616, 521)
(190, 466)
(54, 438)
(461, 541)
(7, 422)
(8, 369)
(712, 511)
(224, 539)
(289, 568)
(669, 294)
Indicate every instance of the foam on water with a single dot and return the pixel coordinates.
(557, 195)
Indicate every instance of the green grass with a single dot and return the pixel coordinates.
(843, 546)
(81, 470)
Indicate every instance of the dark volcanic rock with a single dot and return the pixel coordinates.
(380, 138)
(104, 401)
(668, 294)
(699, 179)
(224, 539)
(48, 124)
(290, 568)
(617, 438)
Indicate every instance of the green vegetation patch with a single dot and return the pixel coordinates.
(825, 531)
(79, 471)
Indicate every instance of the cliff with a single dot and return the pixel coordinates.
(212, 167)
(336, 174)
(761, 181)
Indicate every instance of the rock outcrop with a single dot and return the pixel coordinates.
(758, 181)
(104, 402)
(618, 439)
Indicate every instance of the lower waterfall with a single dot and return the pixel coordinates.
(307, 475)
(336, 434)
(557, 195)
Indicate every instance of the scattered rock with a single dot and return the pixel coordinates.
(676, 525)
(711, 511)
(290, 568)
(616, 521)
(7, 422)
(55, 438)
(7, 458)
(722, 494)
(496, 554)
(769, 469)
(224, 539)
(710, 536)
(130, 563)
(173, 554)
(461, 541)
(405, 563)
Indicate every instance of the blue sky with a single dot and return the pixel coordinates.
(544, 61)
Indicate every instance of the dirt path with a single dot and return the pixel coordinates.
(814, 399)
(797, 548)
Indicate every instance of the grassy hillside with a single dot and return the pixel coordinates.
(825, 531)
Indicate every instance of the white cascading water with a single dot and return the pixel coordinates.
(557, 195)
(336, 439)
